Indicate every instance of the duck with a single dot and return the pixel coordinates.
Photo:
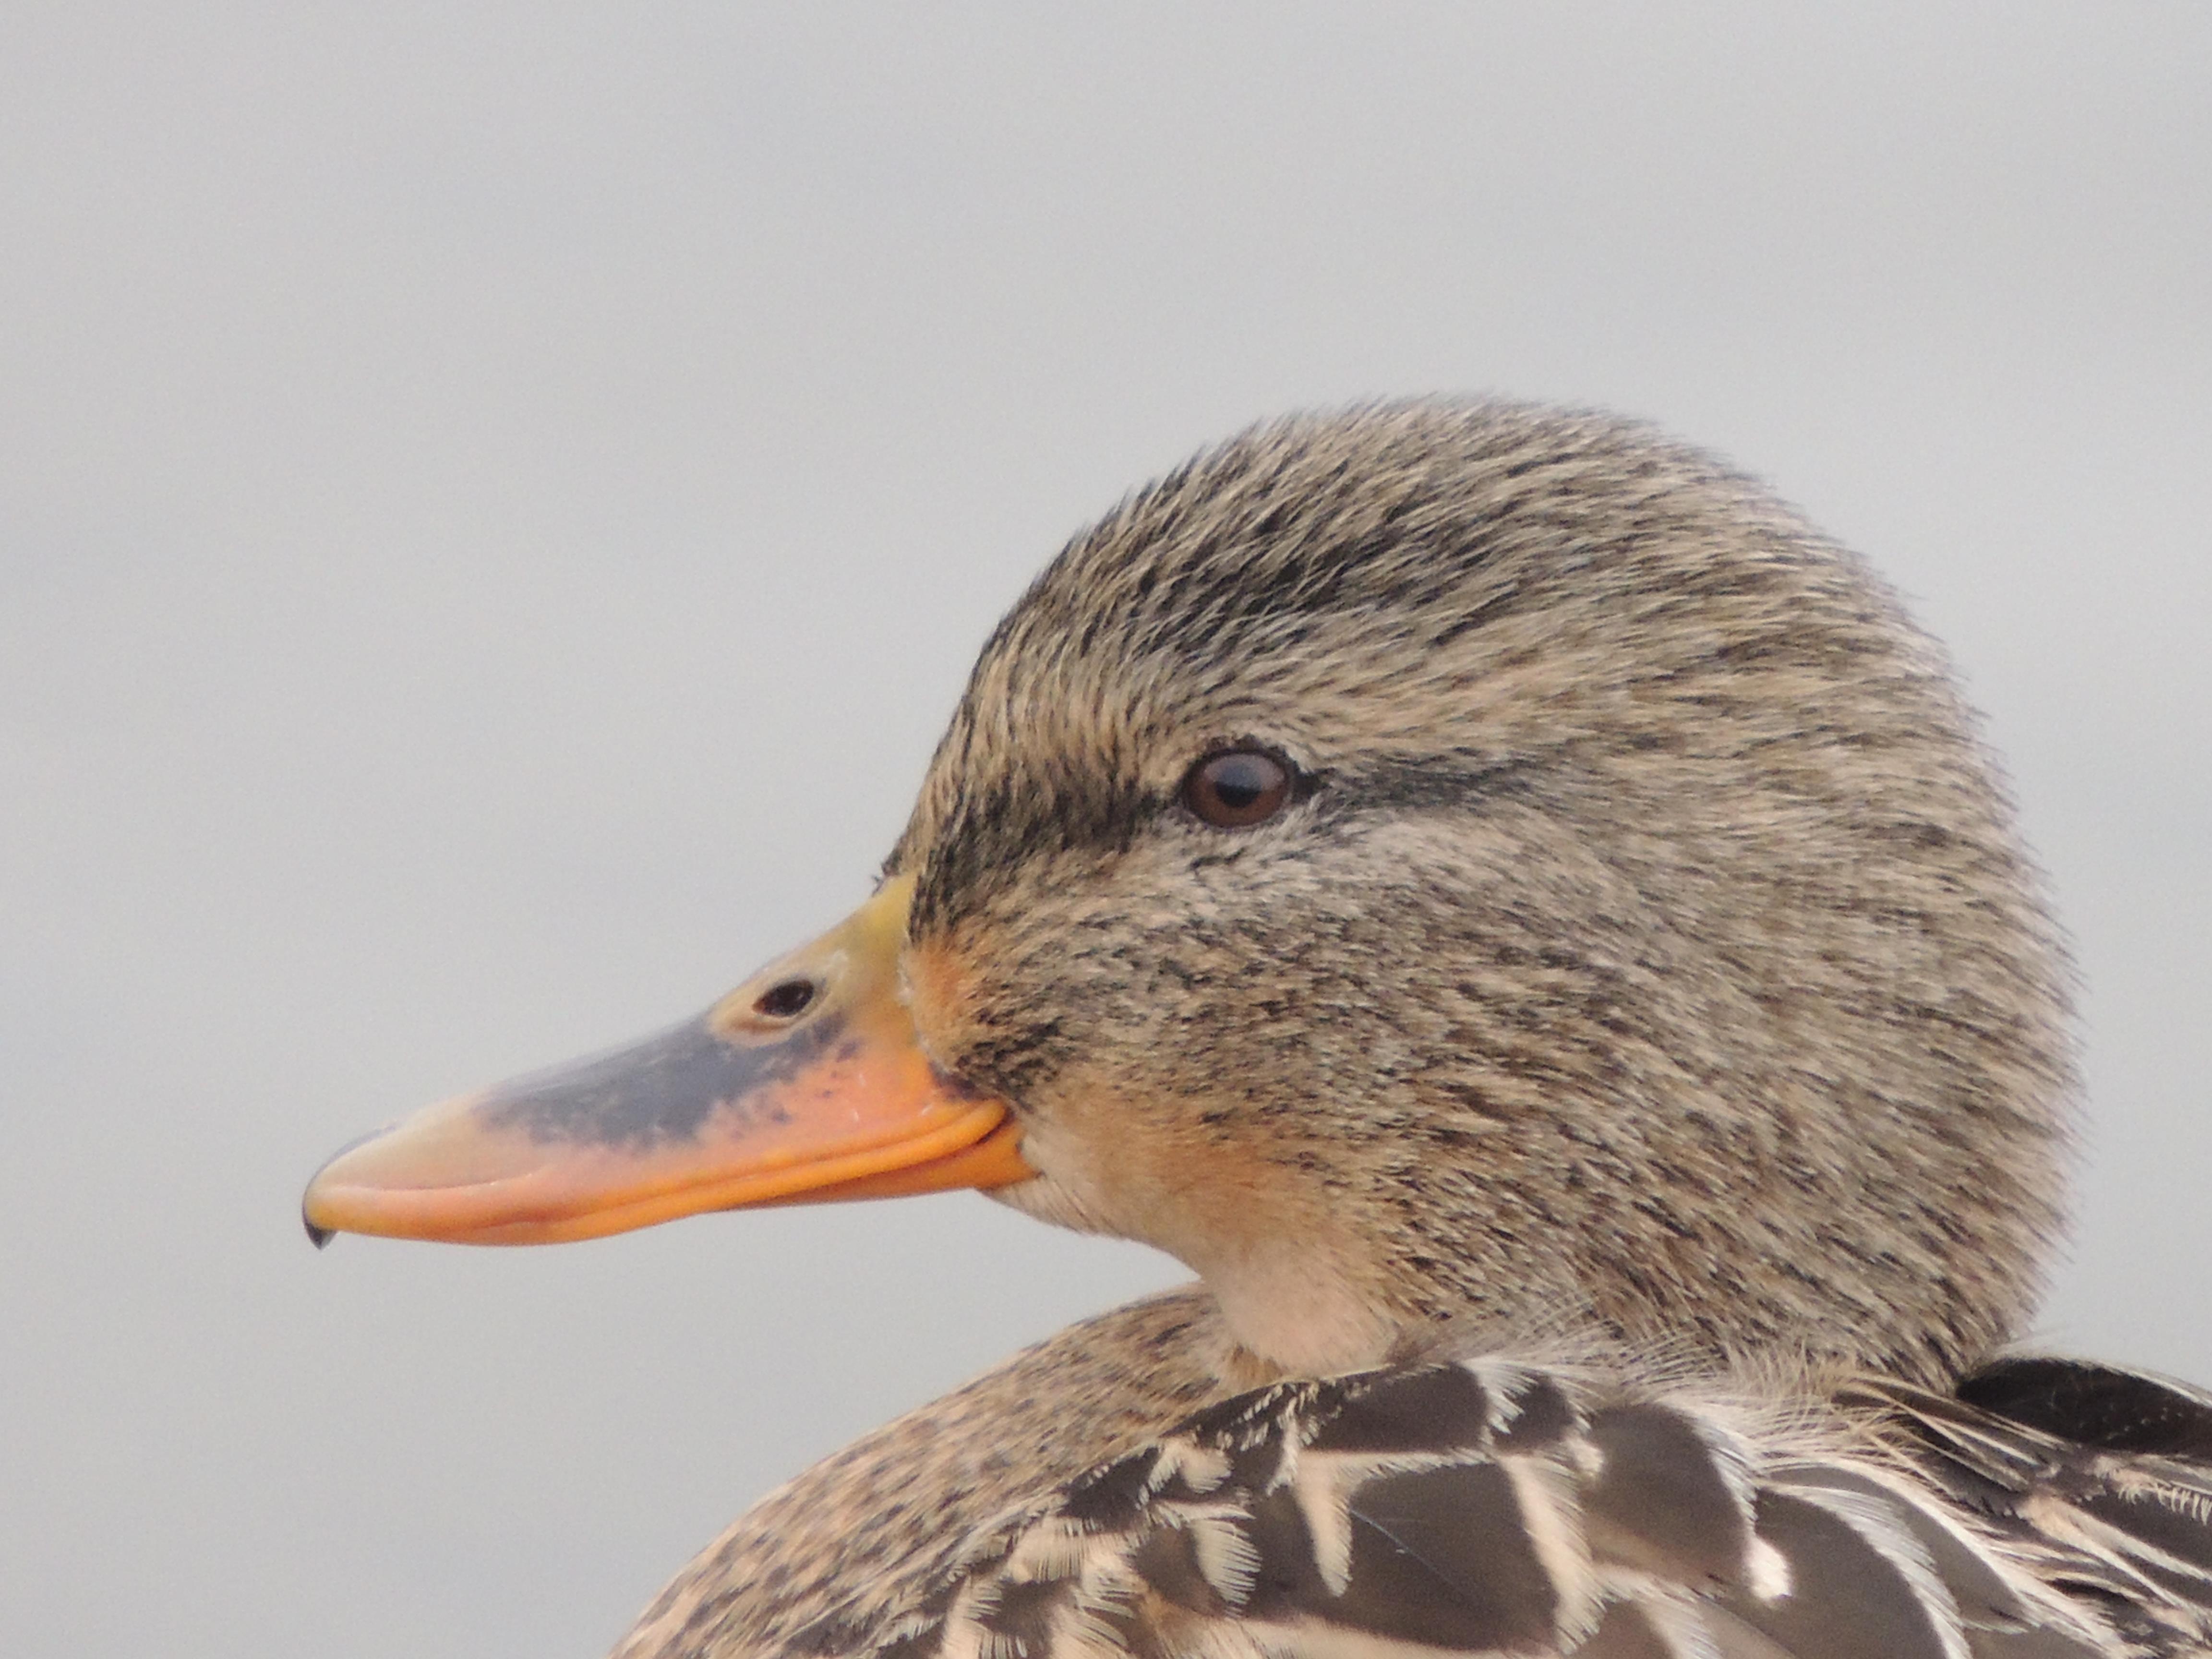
(1536, 928)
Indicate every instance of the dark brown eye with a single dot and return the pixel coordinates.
(1237, 788)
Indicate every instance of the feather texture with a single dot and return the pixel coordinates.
(1486, 1507)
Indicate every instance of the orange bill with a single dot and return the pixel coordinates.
(803, 1085)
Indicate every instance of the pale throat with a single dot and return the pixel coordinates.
(1294, 1288)
(1299, 1310)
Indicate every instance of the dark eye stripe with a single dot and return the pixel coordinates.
(1444, 781)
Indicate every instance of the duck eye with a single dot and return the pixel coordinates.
(1237, 788)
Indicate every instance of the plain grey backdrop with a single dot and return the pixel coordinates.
(496, 501)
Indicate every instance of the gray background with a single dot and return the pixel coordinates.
(496, 501)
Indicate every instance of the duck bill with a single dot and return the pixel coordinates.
(805, 1084)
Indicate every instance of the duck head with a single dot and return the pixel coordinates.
(1438, 867)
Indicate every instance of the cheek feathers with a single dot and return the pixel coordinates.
(971, 1022)
(939, 986)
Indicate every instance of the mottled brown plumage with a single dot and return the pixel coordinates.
(1654, 939)
(1647, 962)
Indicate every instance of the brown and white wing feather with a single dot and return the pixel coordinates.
(2100, 1479)
(1488, 1508)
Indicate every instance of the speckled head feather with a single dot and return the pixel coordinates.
(1647, 942)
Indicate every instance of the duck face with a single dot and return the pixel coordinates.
(1446, 865)
(1279, 952)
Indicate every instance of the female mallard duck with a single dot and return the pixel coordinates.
(1530, 922)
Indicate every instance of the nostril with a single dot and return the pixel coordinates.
(787, 1000)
